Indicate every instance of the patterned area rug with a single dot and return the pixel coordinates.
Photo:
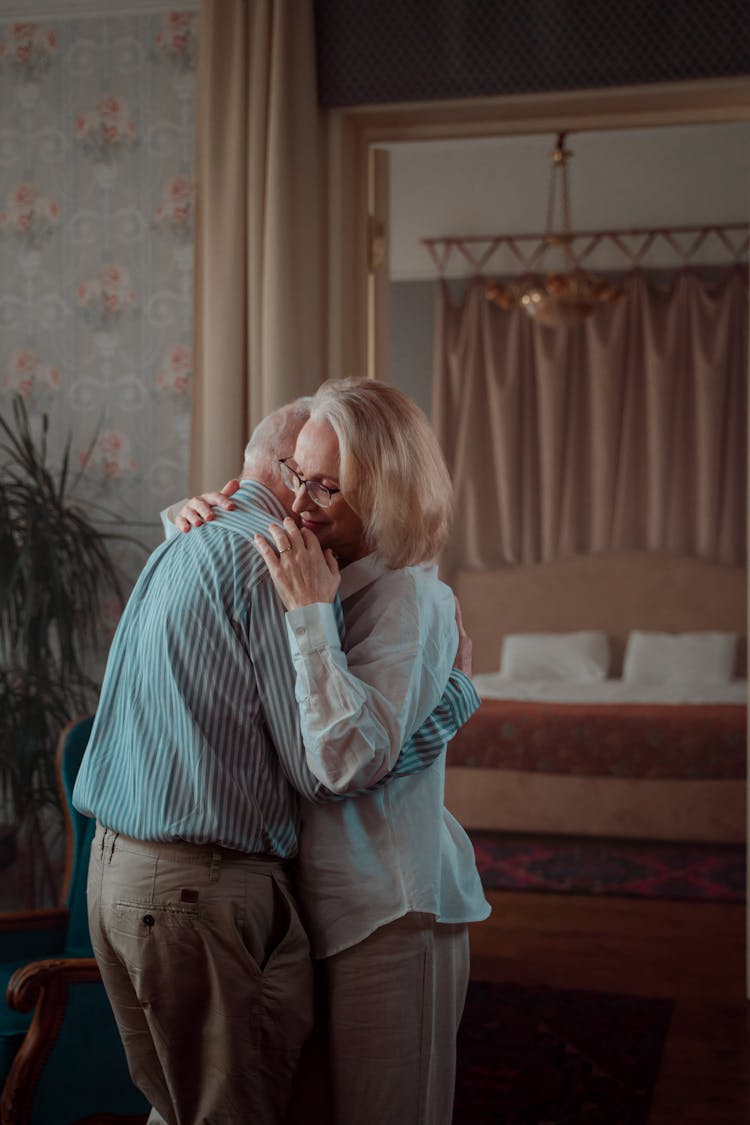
(711, 872)
(543, 1056)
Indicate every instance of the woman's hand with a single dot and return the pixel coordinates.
(301, 572)
(200, 509)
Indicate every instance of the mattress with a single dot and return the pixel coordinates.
(624, 740)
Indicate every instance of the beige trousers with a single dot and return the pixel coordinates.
(208, 971)
(394, 1003)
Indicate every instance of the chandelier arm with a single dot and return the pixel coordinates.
(526, 262)
(440, 249)
(552, 188)
(439, 256)
(538, 254)
(635, 257)
(593, 242)
(698, 241)
(685, 255)
(737, 251)
(496, 242)
(565, 194)
(464, 250)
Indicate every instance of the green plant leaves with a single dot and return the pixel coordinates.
(55, 571)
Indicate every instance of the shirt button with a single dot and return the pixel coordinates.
(299, 631)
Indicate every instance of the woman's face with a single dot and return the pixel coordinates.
(316, 457)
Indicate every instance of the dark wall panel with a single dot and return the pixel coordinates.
(374, 51)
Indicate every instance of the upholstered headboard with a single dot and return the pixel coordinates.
(613, 592)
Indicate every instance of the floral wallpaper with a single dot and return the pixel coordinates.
(96, 248)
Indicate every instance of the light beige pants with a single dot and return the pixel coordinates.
(394, 1003)
(208, 971)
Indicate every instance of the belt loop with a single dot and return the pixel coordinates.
(213, 872)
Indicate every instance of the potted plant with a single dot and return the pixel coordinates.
(55, 570)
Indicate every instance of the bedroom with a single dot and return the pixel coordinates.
(151, 466)
(554, 557)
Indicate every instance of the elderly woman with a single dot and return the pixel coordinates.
(388, 882)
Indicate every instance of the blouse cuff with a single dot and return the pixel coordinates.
(311, 628)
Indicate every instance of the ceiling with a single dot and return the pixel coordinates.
(623, 179)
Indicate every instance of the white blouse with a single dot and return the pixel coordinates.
(369, 860)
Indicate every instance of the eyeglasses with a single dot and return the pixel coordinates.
(320, 494)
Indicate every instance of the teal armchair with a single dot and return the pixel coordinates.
(61, 1058)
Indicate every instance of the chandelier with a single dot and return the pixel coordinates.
(566, 295)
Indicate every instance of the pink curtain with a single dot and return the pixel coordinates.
(627, 432)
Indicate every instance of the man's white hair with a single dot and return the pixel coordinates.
(275, 437)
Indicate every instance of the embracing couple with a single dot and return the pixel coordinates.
(266, 769)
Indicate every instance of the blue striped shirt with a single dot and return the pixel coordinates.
(197, 733)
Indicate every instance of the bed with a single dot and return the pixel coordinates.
(639, 750)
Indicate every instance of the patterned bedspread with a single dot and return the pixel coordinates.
(605, 740)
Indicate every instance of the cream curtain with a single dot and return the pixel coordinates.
(625, 432)
(259, 262)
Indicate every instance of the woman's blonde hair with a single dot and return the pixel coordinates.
(391, 469)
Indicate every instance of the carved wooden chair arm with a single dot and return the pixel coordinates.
(50, 977)
(44, 985)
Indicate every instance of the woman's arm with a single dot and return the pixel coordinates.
(359, 707)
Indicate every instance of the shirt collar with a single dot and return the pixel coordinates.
(360, 573)
(261, 497)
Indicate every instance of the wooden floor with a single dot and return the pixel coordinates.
(691, 951)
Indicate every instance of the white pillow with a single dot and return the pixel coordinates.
(705, 657)
(581, 657)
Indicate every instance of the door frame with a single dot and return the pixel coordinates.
(357, 341)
